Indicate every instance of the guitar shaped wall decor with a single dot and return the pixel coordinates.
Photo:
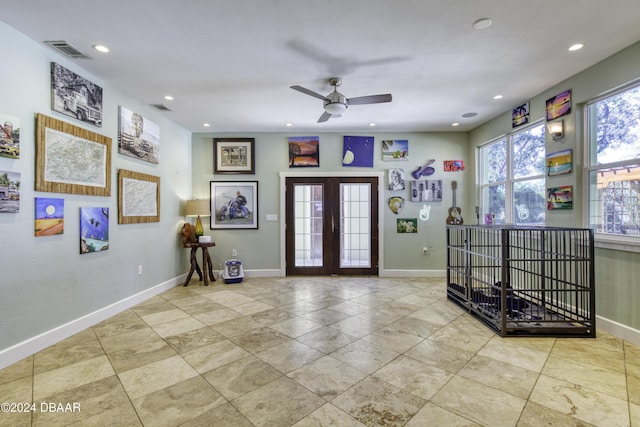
(455, 213)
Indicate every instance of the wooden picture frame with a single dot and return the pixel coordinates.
(70, 159)
(226, 213)
(138, 197)
(234, 155)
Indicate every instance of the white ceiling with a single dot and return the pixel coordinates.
(230, 62)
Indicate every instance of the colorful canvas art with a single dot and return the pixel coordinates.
(559, 105)
(520, 115)
(453, 165)
(560, 197)
(559, 163)
(9, 136)
(304, 151)
(357, 151)
(138, 137)
(94, 230)
(49, 215)
(397, 149)
(9, 192)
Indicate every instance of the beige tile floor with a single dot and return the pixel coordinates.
(320, 352)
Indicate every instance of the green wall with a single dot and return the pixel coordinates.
(617, 271)
(402, 254)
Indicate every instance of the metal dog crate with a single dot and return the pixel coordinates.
(524, 281)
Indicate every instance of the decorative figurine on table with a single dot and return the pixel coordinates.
(425, 170)
(188, 234)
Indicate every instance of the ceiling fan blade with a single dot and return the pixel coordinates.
(324, 117)
(308, 92)
(371, 99)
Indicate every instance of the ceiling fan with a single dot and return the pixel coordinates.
(336, 103)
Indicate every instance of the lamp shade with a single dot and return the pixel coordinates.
(197, 208)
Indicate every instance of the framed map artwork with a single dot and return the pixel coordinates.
(138, 197)
(70, 159)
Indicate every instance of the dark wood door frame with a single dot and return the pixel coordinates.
(331, 226)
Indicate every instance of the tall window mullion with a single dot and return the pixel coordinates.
(511, 182)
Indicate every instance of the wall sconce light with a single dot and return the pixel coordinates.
(556, 129)
(198, 208)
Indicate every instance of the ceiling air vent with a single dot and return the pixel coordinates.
(66, 49)
(160, 107)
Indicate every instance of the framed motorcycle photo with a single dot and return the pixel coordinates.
(234, 204)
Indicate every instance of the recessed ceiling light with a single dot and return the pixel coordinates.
(467, 115)
(288, 125)
(576, 46)
(101, 48)
(497, 97)
(455, 124)
(206, 125)
(371, 125)
(168, 97)
(482, 23)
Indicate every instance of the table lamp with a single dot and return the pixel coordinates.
(198, 208)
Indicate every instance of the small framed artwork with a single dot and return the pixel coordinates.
(559, 163)
(94, 230)
(426, 190)
(560, 197)
(9, 192)
(559, 105)
(138, 197)
(304, 151)
(234, 155)
(75, 96)
(49, 219)
(70, 159)
(138, 137)
(520, 115)
(407, 225)
(357, 151)
(234, 205)
(396, 149)
(396, 179)
(9, 136)
(453, 165)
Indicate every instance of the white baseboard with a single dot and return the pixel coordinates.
(413, 273)
(618, 330)
(35, 344)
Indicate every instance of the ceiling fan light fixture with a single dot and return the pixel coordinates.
(335, 108)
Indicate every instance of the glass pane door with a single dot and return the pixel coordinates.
(355, 230)
(308, 217)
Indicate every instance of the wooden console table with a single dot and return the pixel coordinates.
(206, 262)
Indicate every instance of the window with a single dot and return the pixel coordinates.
(613, 132)
(512, 178)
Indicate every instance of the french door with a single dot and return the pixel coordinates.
(331, 225)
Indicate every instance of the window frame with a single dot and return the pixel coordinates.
(509, 182)
(630, 243)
